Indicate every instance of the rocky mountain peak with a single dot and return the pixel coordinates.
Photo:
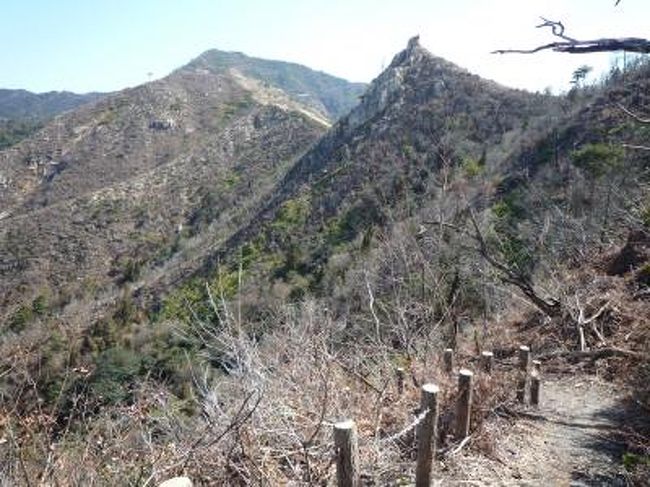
(413, 53)
(388, 87)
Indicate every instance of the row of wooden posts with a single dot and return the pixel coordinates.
(345, 434)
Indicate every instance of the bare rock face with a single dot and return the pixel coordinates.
(177, 482)
(387, 87)
(391, 87)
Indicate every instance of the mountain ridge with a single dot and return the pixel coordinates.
(210, 246)
(329, 95)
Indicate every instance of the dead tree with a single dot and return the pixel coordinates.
(549, 306)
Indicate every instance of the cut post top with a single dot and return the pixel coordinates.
(487, 354)
(347, 424)
(465, 372)
(524, 348)
(431, 388)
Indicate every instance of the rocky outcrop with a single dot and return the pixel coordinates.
(390, 87)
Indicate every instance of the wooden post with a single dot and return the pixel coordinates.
(347, 454)
(399, 375)
(426, 435)
(487, 361)
(535, 386)
(464, 405)
(449, 360)
(524, 367)
(524, 358)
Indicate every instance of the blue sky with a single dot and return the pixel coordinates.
(103, 45)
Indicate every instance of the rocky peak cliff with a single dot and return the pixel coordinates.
(390, 87)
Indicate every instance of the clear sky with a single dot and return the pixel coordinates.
(104, 45)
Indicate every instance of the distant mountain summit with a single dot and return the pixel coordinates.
(328, 95)
(421, 107)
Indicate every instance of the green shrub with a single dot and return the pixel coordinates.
(114, 375)
(19, 319)
(359, 218)
(180, 303)
(292, 215)
(231, 180)
(645, 216)
(132, 270)
(510, 209)
(631, 461)
(40, 305)
(472, 167)
(597, 159)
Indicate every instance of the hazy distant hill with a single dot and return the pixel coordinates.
(331, 96)
(22, 113)
(21, 104)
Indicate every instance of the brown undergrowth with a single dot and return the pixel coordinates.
(264, 415)
(266, 418)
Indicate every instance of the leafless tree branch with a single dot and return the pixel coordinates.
(633, 115)
(575, 46)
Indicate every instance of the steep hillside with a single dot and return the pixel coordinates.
(128, 182)
(201, 275)
(426, 134)
(331, 97)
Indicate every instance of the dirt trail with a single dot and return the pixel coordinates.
(568, 441)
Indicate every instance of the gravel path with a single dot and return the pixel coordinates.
(566, 442)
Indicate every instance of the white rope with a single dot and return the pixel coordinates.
(408, 428)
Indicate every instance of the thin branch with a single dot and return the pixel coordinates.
(636, 147)
(550, 307)
(357, 375)
(557, 28)
(633, 115)
(371, 305)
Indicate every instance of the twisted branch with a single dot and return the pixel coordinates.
(575, 46)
